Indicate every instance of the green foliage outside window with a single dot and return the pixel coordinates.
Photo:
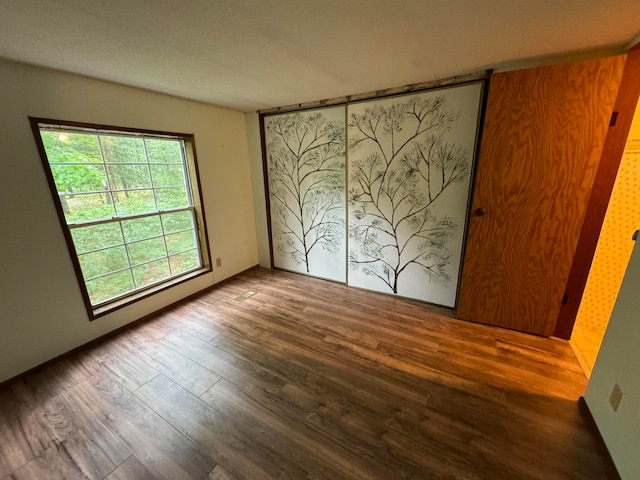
(127, 201)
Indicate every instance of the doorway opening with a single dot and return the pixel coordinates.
(612, 254)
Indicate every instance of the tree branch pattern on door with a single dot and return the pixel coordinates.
(306, 171)
(404, 156)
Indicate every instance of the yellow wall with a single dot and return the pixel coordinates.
(612, 254)
(42, 314)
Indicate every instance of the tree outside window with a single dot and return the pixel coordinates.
(128, 206)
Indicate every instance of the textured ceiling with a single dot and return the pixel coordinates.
(254, 54)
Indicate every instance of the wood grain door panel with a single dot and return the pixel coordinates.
(543, 135)
(612, 151)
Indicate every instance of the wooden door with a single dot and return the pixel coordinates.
(541, 144)
(612, 151)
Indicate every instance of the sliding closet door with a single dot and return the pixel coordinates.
(305, 164)
(410, 167)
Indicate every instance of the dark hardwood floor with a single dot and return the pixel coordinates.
(306, 379)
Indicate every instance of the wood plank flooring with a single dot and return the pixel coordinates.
(306, 379)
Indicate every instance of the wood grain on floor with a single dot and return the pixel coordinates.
(304, 379)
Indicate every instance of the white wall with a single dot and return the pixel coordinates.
(257, 181)
(619, 363)
(42, 314)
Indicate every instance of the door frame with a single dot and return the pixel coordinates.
(613, 149)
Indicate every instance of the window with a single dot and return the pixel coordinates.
(130, 208)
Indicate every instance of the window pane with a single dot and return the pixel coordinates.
(103, 261)
(180, 242)
(141, 228)
(123, 149)
(79, 178)
(167, 175)
(146, 250)
(63, 147)
(109, 286)
(164, 151)
(151, 272)
(134, 202)
(95, 237)
(123, 177)
(85, 207)
(169, 198)
(184, 261)
(111, 186)
(178, 221)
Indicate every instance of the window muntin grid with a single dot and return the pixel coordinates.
(128, 204)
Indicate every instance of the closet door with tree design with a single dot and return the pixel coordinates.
(305, 164)
(410, 167)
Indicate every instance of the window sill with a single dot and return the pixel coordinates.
(118, 304)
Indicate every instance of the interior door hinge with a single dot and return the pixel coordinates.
(614, 119)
